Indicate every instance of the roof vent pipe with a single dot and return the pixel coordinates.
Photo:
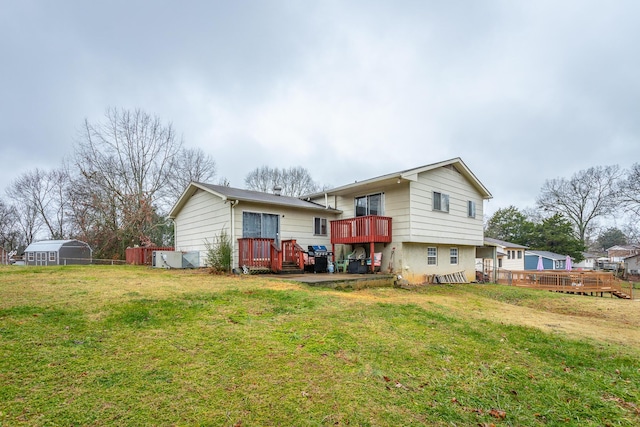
(277, 190)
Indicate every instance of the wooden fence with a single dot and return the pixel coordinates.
(143, 255)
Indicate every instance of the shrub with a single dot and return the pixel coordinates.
(218, 256)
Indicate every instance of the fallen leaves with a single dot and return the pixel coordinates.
(498, 413)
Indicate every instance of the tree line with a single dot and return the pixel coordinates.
(126, 172)
(569, 213)
(116, 188)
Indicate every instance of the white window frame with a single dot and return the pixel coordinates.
(432, 255)
(52, 256)
(30, 256)
(440, 202)
(471, 209)
(318, 223)
(454, 256)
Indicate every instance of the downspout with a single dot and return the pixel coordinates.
(495, 264)
(233, 204)
(326, 200)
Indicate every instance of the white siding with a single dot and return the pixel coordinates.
(453, 227)
(412, 261)
(513, 264)
(202, 218)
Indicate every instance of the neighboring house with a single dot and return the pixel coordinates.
(618, 253)
(510, 256)
(589, 262)
(632, 265)
(550, 260)
(424, 221)
(57, 252)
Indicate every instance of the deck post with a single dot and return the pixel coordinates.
(372, 256)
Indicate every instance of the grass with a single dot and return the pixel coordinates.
(120, 345)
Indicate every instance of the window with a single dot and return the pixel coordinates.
(471, 209)
(508, 254)
(320, 226)
(453, 256)
(256, 225)
(432, 256)
(52, 256)
(369, 205)
(440, 202)
(499, 262)
(30, 256)
(519, 254)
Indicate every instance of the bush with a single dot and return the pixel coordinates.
(218, 256)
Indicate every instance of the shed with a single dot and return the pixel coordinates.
(57, 252)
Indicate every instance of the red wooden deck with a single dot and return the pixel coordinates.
(362, 229)
(264, 253)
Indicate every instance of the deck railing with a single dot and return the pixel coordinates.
(362, 229)
(264, 253)
(255, 252)
(292, 253)
(582, 282)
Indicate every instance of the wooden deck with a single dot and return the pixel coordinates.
(596, 283)
(363, 229)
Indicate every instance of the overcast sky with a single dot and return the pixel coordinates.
(522, 91)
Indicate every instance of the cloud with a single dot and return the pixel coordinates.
(523, 92)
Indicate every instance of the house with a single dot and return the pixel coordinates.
(423, 221)
(589, 262)
(253, 221)
(618, 253)
(632, 265)
(57, 252)
(550, 260)
(510, 256)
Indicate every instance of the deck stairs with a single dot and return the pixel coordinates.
(289, 267)
(620, 294)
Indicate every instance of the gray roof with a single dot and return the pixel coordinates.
(547, 254)
(231, 193)
(53, 245)
(499, 242)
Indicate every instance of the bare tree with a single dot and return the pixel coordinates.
(294, 182)
(190, 164)
(9, 234)
(589, 194)
(27, 218)
(123, 164)
(630, 190)
(46, 191)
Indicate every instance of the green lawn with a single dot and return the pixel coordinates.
(133, 346)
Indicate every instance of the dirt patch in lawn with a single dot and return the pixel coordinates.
(610, 320)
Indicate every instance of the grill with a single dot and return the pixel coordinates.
(318, 258)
